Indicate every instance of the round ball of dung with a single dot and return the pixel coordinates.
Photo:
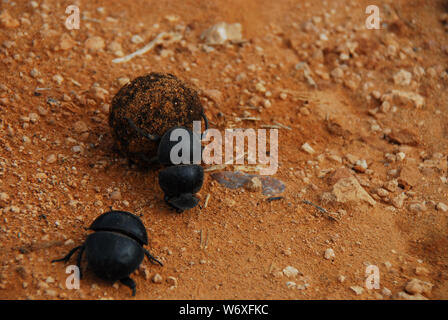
(151, 105)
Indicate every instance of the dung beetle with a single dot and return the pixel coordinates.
(165, 144)
(115, 249)
(180, 183)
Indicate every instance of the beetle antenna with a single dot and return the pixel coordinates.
(205, 123)
(151, 258)
(152, 137)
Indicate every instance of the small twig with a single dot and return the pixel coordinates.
(38, 246)
(248, 168)
(232, 161)
(206, 200)
(282, 125)
(215, 167)
(298, 94)
(323, 210)
(274, 198)
(247, 119)
(174, 37)
(271, 267)
(206, 240)
(250, 108)
(271, 126)
(200, 243)
(76, 83)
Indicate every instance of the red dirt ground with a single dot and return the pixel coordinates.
(58, 170)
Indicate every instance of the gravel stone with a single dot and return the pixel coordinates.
(80, 127)
(442, 207)
(94, 43)
(403, 78)
(357, 289)
(290, 272)
(329, 254)
(307, 148)
(115, 195)
(222, 32)
(51, 158)
(418, 286)
(157, 278)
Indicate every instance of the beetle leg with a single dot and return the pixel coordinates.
(205, 123)
(68, 256)
(153, 160)
(151, 258)
(78, 261)
(129, 283)
(147, 160)
(152, 137)
(168, 202)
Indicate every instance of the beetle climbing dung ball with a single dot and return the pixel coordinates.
(144, 109)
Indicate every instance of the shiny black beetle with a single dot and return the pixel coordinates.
(180, 183)
(166, 146)
(165, 143)
(115, 249)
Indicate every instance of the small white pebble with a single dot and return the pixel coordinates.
(386, 292)
(329, 254)
(442, 207)
(136, 39)
(77, 149)
(115, 195)
(50, 280)
(307, 148)
(157, 278)
(290, 272)
(401, 156)
(357, 289)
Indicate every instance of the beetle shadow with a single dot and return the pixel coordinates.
(98, 285)
(103, 145)
(105, 157)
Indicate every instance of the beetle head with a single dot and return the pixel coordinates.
(166, 144)
(181, 179)
(182, 202)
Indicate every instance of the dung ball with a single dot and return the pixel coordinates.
(149, 106)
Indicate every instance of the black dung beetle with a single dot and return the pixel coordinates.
(180, 183)
(165, 143)
(115, 249)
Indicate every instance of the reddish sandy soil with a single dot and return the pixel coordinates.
(58, 170)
